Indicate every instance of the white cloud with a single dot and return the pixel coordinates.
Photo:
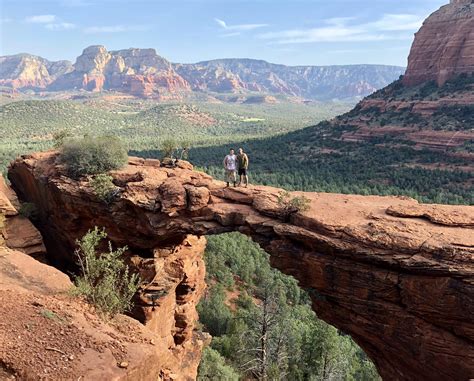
(239, 27)
(231, 34)
(116, 29)
(344, 29)
(60, 26)
(41, 19)
(391, 22)
(50, 22)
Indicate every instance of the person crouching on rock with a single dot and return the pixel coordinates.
(243, 163)
(230, 166)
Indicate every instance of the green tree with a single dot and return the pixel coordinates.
(214, 368)
(104, 280)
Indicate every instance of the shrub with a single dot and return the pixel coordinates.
(178, 150)
(290, 205)
(168, 147)
(214, 367)
(93, 155)
(104, 188)
(59, 137)
(184, 148)
(105, 280)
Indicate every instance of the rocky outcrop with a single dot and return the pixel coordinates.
(312, 82)
(29, 71)
(395, 275)
(444, 46)
(16, 230)
(47, 334)
(143, 73)
(139, 72)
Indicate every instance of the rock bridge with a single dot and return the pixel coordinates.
(396, 275)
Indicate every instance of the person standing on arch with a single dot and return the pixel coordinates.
(230, 166)
(243, 164)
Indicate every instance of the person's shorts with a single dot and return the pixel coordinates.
(229, 175)
(242, 171)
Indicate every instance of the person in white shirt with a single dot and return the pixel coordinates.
(230, 166)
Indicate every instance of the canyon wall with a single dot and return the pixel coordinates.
(396, 275)
(444, 46)
(47, 334)
(144, 73)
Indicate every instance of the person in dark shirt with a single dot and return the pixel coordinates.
(243, 166)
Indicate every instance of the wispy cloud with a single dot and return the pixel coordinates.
(50, 22)
(345, 29)
(41, 19)
(238, 27)
(116, 29)
(60, 26)
(231, 34)
(400, 22)
(5, 20)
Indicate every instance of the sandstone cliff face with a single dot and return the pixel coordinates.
(143, 73)
(139, 72)
(444, 46)
(396, 275)
(313, 82)
(65, 339)
(16, 231)
(28, 71)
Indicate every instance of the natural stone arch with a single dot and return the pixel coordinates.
(395, 275)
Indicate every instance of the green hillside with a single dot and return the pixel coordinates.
(30, 125)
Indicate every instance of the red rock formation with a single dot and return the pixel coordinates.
(29, 71)
(139, 72)
(444, 46)
(396, 275)
(16, 231)
(97, 69)
(94, 83)
(166, 348)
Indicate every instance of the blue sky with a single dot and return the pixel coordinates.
(296, 32)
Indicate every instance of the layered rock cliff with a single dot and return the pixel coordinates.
(432, 106)
(45, 334)
(139, 72)
(143, 73)
(28, 71)
(396, 275)
(444, 46)
(311, 82)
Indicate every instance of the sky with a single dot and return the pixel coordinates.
(296, 32)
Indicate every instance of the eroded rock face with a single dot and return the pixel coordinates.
(29, 71)
(444, 46)
(16, 231)
(36, 296)
(396, 275)
(139, 72)
(143, 73)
